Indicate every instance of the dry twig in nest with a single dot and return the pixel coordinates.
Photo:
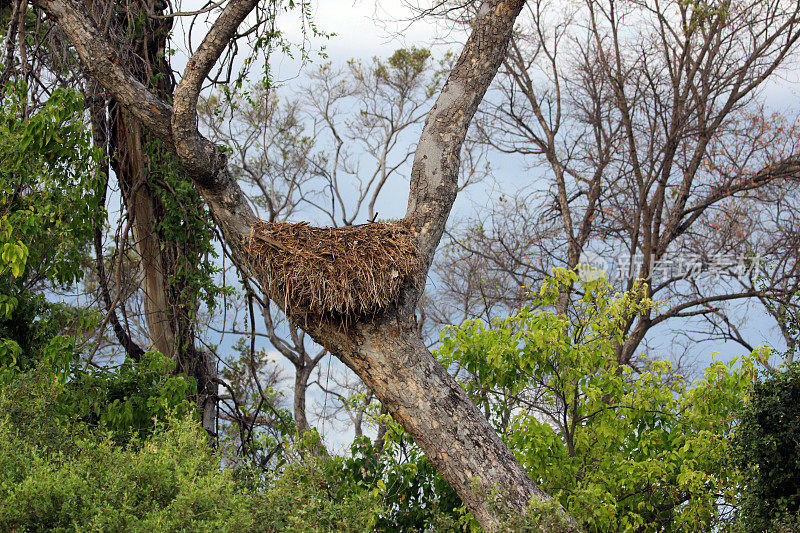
(334, 272)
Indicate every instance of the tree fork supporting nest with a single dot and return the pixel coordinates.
(334, 272)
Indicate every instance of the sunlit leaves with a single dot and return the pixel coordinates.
(48, 208)
(624, 450)
(47, 185)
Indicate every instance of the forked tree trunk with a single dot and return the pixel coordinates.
(385, 351)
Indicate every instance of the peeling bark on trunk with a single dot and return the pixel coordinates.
(170, 331)
(385, 351)
(393, 361)
(128, 165)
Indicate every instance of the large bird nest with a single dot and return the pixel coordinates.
(333, 272)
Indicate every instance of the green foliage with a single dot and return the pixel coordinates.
(48, 187)
(13, 257)
(540, 517)
(703, 13)
(186, 224)
(127, 400)
(59, 473)
(405, 70)
(62, 471)
(767, 449)
(48, 207)
(124, 402)
(315, 495)
(170, 482)
(403, 67)
(413, 495)
(36, 331)
(622, 451)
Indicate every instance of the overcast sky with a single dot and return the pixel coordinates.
(362, 28)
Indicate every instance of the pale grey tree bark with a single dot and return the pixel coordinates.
(306, 151)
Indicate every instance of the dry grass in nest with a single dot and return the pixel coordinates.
(334, 272)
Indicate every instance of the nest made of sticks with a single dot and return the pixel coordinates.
(335, 272)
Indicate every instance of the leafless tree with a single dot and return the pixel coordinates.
(325, 154)
(648, 149)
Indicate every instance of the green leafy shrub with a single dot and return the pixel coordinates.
(314, 495)
(60, 471)
(767, 449)
(170, 482)
(414, 496)
(127, 400)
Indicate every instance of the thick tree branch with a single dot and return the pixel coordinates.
(220, 190)
(386, 351)
(434, 174)
(103, 63)
(201, 157)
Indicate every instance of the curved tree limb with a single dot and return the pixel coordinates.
(434, 174)
(102, 62)
(201, 157)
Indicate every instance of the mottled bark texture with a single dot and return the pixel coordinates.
(385, 351)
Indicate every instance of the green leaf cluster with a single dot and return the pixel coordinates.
(70, 460)
(124, 402)
(48, 207)
(168, 482)
(767, 449)
(48, 187)
(315, 495)
(413, 496)
(185, 223)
